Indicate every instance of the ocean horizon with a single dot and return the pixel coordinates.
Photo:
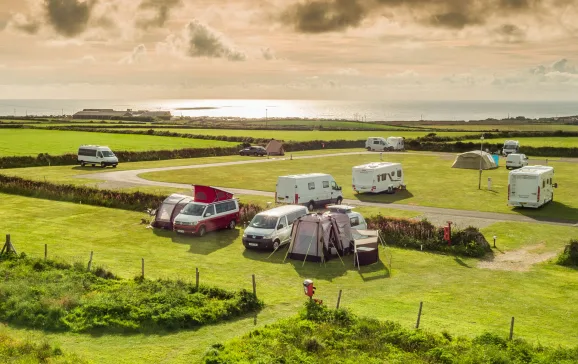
(306, 109)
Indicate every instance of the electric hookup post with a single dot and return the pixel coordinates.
(448, 233)
(308, 288)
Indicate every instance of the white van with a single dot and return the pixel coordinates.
(377, 177)
(272, 228)
(511, 146)
(313, 189)
(515, 160)
(95, 154)
(531, 186)
(378, 144)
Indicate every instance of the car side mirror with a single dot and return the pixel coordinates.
(555, 185)
(207, 214)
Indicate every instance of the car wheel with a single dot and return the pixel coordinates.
(114, 166)
(311, 205)
(102, 165)
(339, 200)
(93, 164)
(390, 190)
(202, 231)
(276, 244)
(82, 164)
(232, 224)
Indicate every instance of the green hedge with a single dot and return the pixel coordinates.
(322, 335)
(460, 147)
(56, 296)
(569, 257)
(423, 235)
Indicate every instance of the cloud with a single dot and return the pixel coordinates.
(202, 41)
(85, 60)
(268, 54)
(160, 12)
(23, 23)
(69, 17)
(137, 55)
(509, 33)
(321, 16)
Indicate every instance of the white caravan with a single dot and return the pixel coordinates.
(515, 160)
(380, 144)
(531, 186)
(313, 189)
(96, 154)
(377, 177)
(272, 228)
(511, 146)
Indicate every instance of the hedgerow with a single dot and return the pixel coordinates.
(322, 335)
(423, 235)
(57, 296)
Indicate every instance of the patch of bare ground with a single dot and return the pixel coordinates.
(520, 260)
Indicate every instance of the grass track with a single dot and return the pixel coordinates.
(24, 142)
(457, 296)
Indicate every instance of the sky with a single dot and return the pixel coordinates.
(282, 49)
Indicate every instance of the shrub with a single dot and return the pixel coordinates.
(569, 257)
(60, 297)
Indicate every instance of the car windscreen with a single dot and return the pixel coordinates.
(264, 222)
(107, 153)
(193, 209)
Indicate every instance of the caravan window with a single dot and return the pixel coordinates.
(311, 185)
(399, 173)
(544, 184)
(325, 184)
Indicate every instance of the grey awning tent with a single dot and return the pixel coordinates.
(473, 160)
(169, 209)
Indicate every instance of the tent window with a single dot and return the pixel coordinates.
(325, 184)
(311, 185)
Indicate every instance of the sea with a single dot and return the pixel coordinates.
(306, 109)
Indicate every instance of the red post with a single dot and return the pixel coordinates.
(449, 233)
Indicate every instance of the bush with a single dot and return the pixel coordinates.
(60, 297)
(413, 234)
(569, 257)
(315, 336)
(16, 351)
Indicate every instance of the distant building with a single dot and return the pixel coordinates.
(108, 114)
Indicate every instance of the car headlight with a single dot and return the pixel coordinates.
(244, 235)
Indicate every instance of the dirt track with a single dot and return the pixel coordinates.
(462, 218)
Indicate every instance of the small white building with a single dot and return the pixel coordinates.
(531, 186)
(378, 177)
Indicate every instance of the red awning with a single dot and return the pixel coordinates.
(208, 194)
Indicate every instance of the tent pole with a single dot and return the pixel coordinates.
(306, 254)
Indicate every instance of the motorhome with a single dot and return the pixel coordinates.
(272, 228)
(96, 155)
(531, 186)
(311, 190)
(511, 146)
(380, 144)
(516, 160)
(378, 177)
(212, 209)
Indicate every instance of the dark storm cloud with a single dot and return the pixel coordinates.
(161, 9)
(319, 16)
(203, 42)
(510, 33)
(69, 17)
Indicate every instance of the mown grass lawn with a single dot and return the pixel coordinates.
(430, 182)
(458, 296)
(556, 142)
(300, 135)
(23, 142)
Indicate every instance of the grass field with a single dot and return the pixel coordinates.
(458, 296)
(557, 142)
(430, 182)
(22, 142)
(504, 127)
(292, 135)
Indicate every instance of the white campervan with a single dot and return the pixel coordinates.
(511, 146)
(380, 144)
(312, 189)
(516, 160)
(272, 228)
(377, 177)
(531, 186)
(96, 154)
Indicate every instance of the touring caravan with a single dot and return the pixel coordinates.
(377, 177)
(531, 186)
(272, 228)
(96, 154)
(511, 146)
(313, 189)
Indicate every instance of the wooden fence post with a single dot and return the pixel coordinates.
(254, 287)
(142, 267)
(512, 328)
(197, 278)
(45, 252)
(419, 315)
(338, 299)
(90, 262)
